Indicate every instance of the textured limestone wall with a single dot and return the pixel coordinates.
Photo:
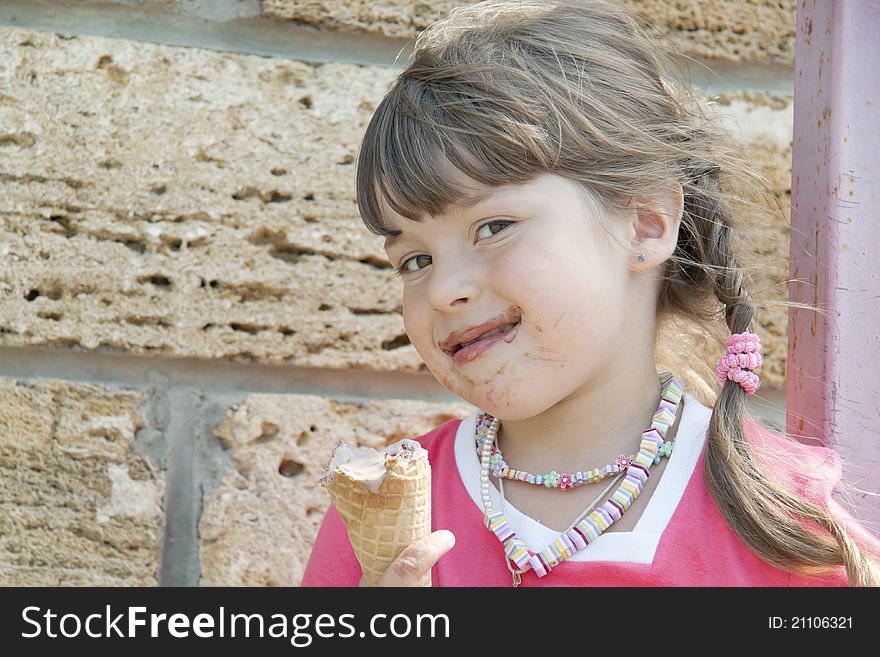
(745, 30)
(171, 202)
(79, 503)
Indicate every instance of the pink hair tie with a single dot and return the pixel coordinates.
(743, 355)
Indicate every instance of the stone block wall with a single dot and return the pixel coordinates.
(185, 208)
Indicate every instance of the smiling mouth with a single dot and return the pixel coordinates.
(467, 352)
(488, 334)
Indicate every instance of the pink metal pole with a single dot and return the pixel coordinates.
(833, 386)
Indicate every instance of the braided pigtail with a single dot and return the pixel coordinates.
(770, 519)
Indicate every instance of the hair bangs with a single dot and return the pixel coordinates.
(417, 160)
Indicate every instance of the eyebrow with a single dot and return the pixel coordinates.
(392, 240)
(466, 203)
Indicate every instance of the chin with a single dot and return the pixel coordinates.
(506, 409)
(516, 410)
(506, 414)
(501, 402)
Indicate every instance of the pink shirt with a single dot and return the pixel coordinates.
(680, 539)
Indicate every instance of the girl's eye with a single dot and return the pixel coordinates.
(403, 269)
(400, 271)
(489, 223)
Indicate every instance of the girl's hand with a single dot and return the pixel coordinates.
(416, 559)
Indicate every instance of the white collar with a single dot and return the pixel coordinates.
(636, 546)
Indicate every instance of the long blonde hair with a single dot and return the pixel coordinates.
(504, 91)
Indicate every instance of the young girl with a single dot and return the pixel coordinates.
(546, 186)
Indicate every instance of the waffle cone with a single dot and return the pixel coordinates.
(380, 525)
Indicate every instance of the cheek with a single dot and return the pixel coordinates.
(418, 329)
(411, 323)
(566, 296)
(544, 279)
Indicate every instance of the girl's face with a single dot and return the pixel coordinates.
(533, 254)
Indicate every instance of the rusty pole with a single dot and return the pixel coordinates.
(833, 378)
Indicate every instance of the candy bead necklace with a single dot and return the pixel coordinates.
(599, 519)
(517, 572)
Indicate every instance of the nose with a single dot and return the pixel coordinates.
(454, 280)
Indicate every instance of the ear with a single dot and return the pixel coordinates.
(654, 227)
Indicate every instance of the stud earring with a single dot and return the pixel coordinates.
(641, 257)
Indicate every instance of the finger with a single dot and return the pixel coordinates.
(417, 559)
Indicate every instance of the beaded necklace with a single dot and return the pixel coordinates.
(499, 468)
(587, 529)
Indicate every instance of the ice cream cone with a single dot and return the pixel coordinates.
(383, 511)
